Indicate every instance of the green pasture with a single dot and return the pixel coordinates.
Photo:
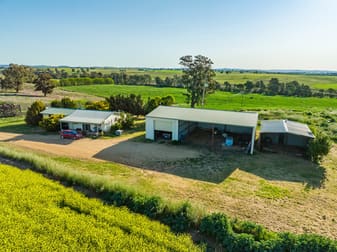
(218, 100)
(235, 77)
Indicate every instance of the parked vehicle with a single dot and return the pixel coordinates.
(70, 134)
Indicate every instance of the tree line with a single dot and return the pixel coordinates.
(275, 87)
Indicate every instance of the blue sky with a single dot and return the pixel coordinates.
(260, 34)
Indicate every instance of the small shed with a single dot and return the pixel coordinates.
(90, 120)
(176, 123)
(285, 132)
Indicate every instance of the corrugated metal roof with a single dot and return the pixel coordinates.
(57, 111)
(247, 119)
(285, 126)
(88, 116)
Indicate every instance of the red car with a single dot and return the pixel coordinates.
(70, 134)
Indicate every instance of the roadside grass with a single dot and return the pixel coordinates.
(281, 192)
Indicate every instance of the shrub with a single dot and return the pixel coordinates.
(126, 121)
(9, 109)
(318, 147)
(65, 102)
(51, 123)
(33, 116)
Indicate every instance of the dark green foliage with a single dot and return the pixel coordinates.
(33, 116)
(126, 121)
(65, 102)
(179, 219)
(318, 147)
(196, 74)
(15, 76)
(44, 83)
(51, 123)
(226, 233)
(129, 103)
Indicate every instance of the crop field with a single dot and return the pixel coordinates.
(235, 77)
(37, 214)
(218, 100)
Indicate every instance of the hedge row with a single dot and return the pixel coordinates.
(252, 237)
(233, 235)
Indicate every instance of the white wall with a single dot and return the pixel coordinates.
(162, 124)
(149, 128)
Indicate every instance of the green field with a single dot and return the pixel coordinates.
(235, 77)
(218, 100)
(37, 214)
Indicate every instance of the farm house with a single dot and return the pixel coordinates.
(56, 111)
(221, 128)
(90, 120)
(285, 132)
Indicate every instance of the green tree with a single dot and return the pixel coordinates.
(15, 76)
(319, 147)
(33, 116)
(196, 74)
(44, 83)
(51, 123)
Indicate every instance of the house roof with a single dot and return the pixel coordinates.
(286, 126)
(87, 116)
(57, 111)
(247, 119)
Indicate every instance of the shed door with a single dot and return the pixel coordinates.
(163, 125)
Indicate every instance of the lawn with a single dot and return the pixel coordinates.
(37, 214)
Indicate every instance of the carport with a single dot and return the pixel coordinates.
(175, 123)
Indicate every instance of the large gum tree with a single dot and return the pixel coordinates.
(197, 77)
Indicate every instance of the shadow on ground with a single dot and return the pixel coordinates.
(46, 139)
(205, 165)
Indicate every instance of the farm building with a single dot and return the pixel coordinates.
(285, 132)
(56, 111)
(174, 123)
(90, 120)
(85, 120)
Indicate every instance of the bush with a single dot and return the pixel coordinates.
(51, 123)
(125, 121)
(318, 147)
(33, 116)
(65, 102)
(9, 109)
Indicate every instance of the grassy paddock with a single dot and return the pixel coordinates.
(218, 100)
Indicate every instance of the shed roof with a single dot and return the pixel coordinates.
(87, 116)
(246, 119)
(286, 126)
(57, 111)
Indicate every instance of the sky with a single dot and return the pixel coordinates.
(252, 34)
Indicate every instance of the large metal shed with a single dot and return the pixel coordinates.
(285, 132)
(178, 122)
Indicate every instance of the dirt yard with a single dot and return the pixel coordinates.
(119, 149)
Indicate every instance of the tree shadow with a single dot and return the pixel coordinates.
(214, 167)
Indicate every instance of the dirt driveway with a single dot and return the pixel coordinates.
(119, 149)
